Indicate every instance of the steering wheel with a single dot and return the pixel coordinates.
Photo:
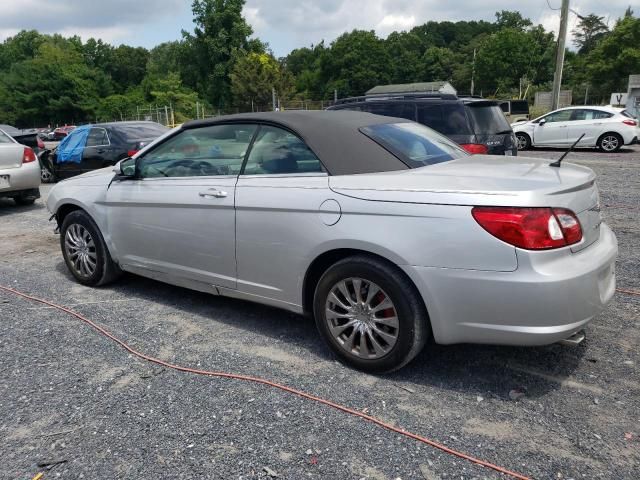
(200, 168)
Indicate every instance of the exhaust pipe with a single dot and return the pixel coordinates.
(573, 340)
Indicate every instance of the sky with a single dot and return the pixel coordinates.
(283, 24)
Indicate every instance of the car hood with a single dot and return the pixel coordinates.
(478, 180)
(517, 124)
(101, 176)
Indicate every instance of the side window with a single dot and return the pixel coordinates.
(199, 152)
(431, 116)
(581, 115)
(277, 151)
(400, 110)
(561, 116)
(599, 114)
(97, 137)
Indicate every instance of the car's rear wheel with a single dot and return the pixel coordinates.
(46, 176)
(370, 314)
(610, 142)
(524, 141)
(85, 252)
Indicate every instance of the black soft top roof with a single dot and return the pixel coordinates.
(334, 137)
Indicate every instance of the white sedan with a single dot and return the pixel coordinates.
(19, 171)
(603, 127)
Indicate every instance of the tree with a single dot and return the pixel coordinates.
(405, 50)
(589, 31)
(220, 36)
(616, 57)
(438, 64)
(509, 54)
(511, 19)
(356, 62)
(127, 66)
(253, 77)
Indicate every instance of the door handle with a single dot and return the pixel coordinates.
(213, 193)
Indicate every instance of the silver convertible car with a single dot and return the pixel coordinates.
(383, 230)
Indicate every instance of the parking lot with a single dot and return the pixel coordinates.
(75, 405)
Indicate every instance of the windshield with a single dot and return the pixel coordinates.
(414, 144)
(142, 131)
(488, 119)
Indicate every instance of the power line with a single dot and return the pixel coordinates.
(549, 5)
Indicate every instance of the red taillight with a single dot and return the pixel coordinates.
(40, 143)
(475, 148)
(28, 156)
(530, 228)
(632, 123)
(131, 153)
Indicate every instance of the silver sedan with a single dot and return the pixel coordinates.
(383, 230)
(19, 171)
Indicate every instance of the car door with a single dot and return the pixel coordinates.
(283, 207)
(590, 122)
(97, 150)
(177, 217)
(553, 131)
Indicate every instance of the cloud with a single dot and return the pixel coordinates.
(288, 24)
(284, 24)
(110, 20)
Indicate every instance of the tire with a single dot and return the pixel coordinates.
(392, 343)
(610, 142)
(46, 176)
(24, 201)
(523, 141)
(92, 264)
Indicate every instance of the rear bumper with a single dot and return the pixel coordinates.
(25, 177)
(547, 299)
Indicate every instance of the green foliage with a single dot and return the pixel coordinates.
(221, 35)
(357, 62)
(253, 77)
(49, 79)
(615, 57)
(589, 31)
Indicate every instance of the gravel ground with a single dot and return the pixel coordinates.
(70, 397)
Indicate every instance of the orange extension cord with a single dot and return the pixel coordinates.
(284, 388)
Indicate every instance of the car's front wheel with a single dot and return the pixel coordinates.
(370, 314)
(85, 251)
(524, 141)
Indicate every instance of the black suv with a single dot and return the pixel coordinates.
(478, 125)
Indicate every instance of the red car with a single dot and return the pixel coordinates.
(61, 132)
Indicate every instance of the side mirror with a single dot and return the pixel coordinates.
(542, 122)
(125, 168)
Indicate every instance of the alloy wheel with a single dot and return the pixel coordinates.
(362, 318)
(45, 175)
(522, 142)
(81, 250)
(610, 143)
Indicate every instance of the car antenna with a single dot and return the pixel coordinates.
(559, 161)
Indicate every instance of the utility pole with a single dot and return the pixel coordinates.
(273, 98)
(562, 37)
(473, 72)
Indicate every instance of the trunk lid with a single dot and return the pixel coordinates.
(485, 180)
(11, 155)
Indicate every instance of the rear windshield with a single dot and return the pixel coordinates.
(414, 144)
(4, 138)
(488, 119)
(10, 130)
(142, 131)
(519, 107)
(627, 113)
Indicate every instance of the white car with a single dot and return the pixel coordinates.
(603, 127)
